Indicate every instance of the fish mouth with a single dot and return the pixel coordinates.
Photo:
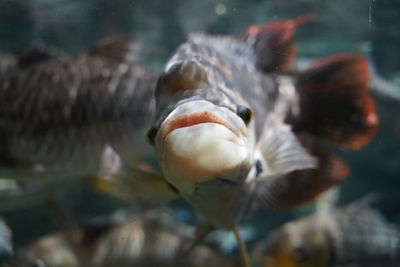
(199, 141)
(199, 112)
(195, 118)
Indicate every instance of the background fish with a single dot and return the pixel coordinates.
(354, 234)
(63, 118)
(7, 63)
(140, 241)
(6, 246)
(58, 114)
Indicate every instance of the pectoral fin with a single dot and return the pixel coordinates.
(281, 150)
(281, 191)
(117, 179)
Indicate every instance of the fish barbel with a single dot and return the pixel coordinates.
(353, 234)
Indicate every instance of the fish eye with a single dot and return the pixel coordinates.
(151, 135)
(244, 113)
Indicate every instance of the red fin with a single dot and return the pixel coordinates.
(302, 186)
(335, 103)
(274, 43)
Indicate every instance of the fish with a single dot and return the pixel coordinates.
(235, 130)
(230, 127)
(142, 240)
(6, 245)
(65, 118)
(353, 234)
(7, 63)
(57, 111)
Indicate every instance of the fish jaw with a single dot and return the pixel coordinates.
(200, 141)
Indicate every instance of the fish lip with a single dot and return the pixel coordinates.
(195, 118)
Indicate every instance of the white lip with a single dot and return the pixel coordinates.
(225, 116)
(199, 152)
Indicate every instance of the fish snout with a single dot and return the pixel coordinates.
(199, 141)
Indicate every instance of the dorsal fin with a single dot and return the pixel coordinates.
(120, 49)
(335, 103)
(274, 46)
(36, 54)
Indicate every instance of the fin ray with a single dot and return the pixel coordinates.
(273, 43)
(335, 103)
(281, 150)
(281, 191)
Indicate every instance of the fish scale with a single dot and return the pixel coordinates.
(362, 234)
(65, 111)
(353, 234)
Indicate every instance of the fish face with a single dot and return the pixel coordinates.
(199, 142)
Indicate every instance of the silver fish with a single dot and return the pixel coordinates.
(6, 247)
(64, 118)
(139, 241)
(7, 63)
(354, 234)
(60, 113)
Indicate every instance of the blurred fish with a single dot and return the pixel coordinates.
(61, 112)
(142, 241)
(7, 63)
(235, 129)
(354, 234)
(6, 247)
(66, 118)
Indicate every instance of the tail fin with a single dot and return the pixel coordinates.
(335, 103)
(273, 44)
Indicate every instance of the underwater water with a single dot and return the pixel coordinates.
(367, 27)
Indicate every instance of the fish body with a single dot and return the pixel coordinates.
(6, 246)
(354, 234)
(59, 114)
(7, 63)
(139, 241)
(229, 128)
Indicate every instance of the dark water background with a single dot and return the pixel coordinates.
(369, 27)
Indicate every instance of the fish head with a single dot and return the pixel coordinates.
(295, 244)
(205, 135)
(200, 141)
